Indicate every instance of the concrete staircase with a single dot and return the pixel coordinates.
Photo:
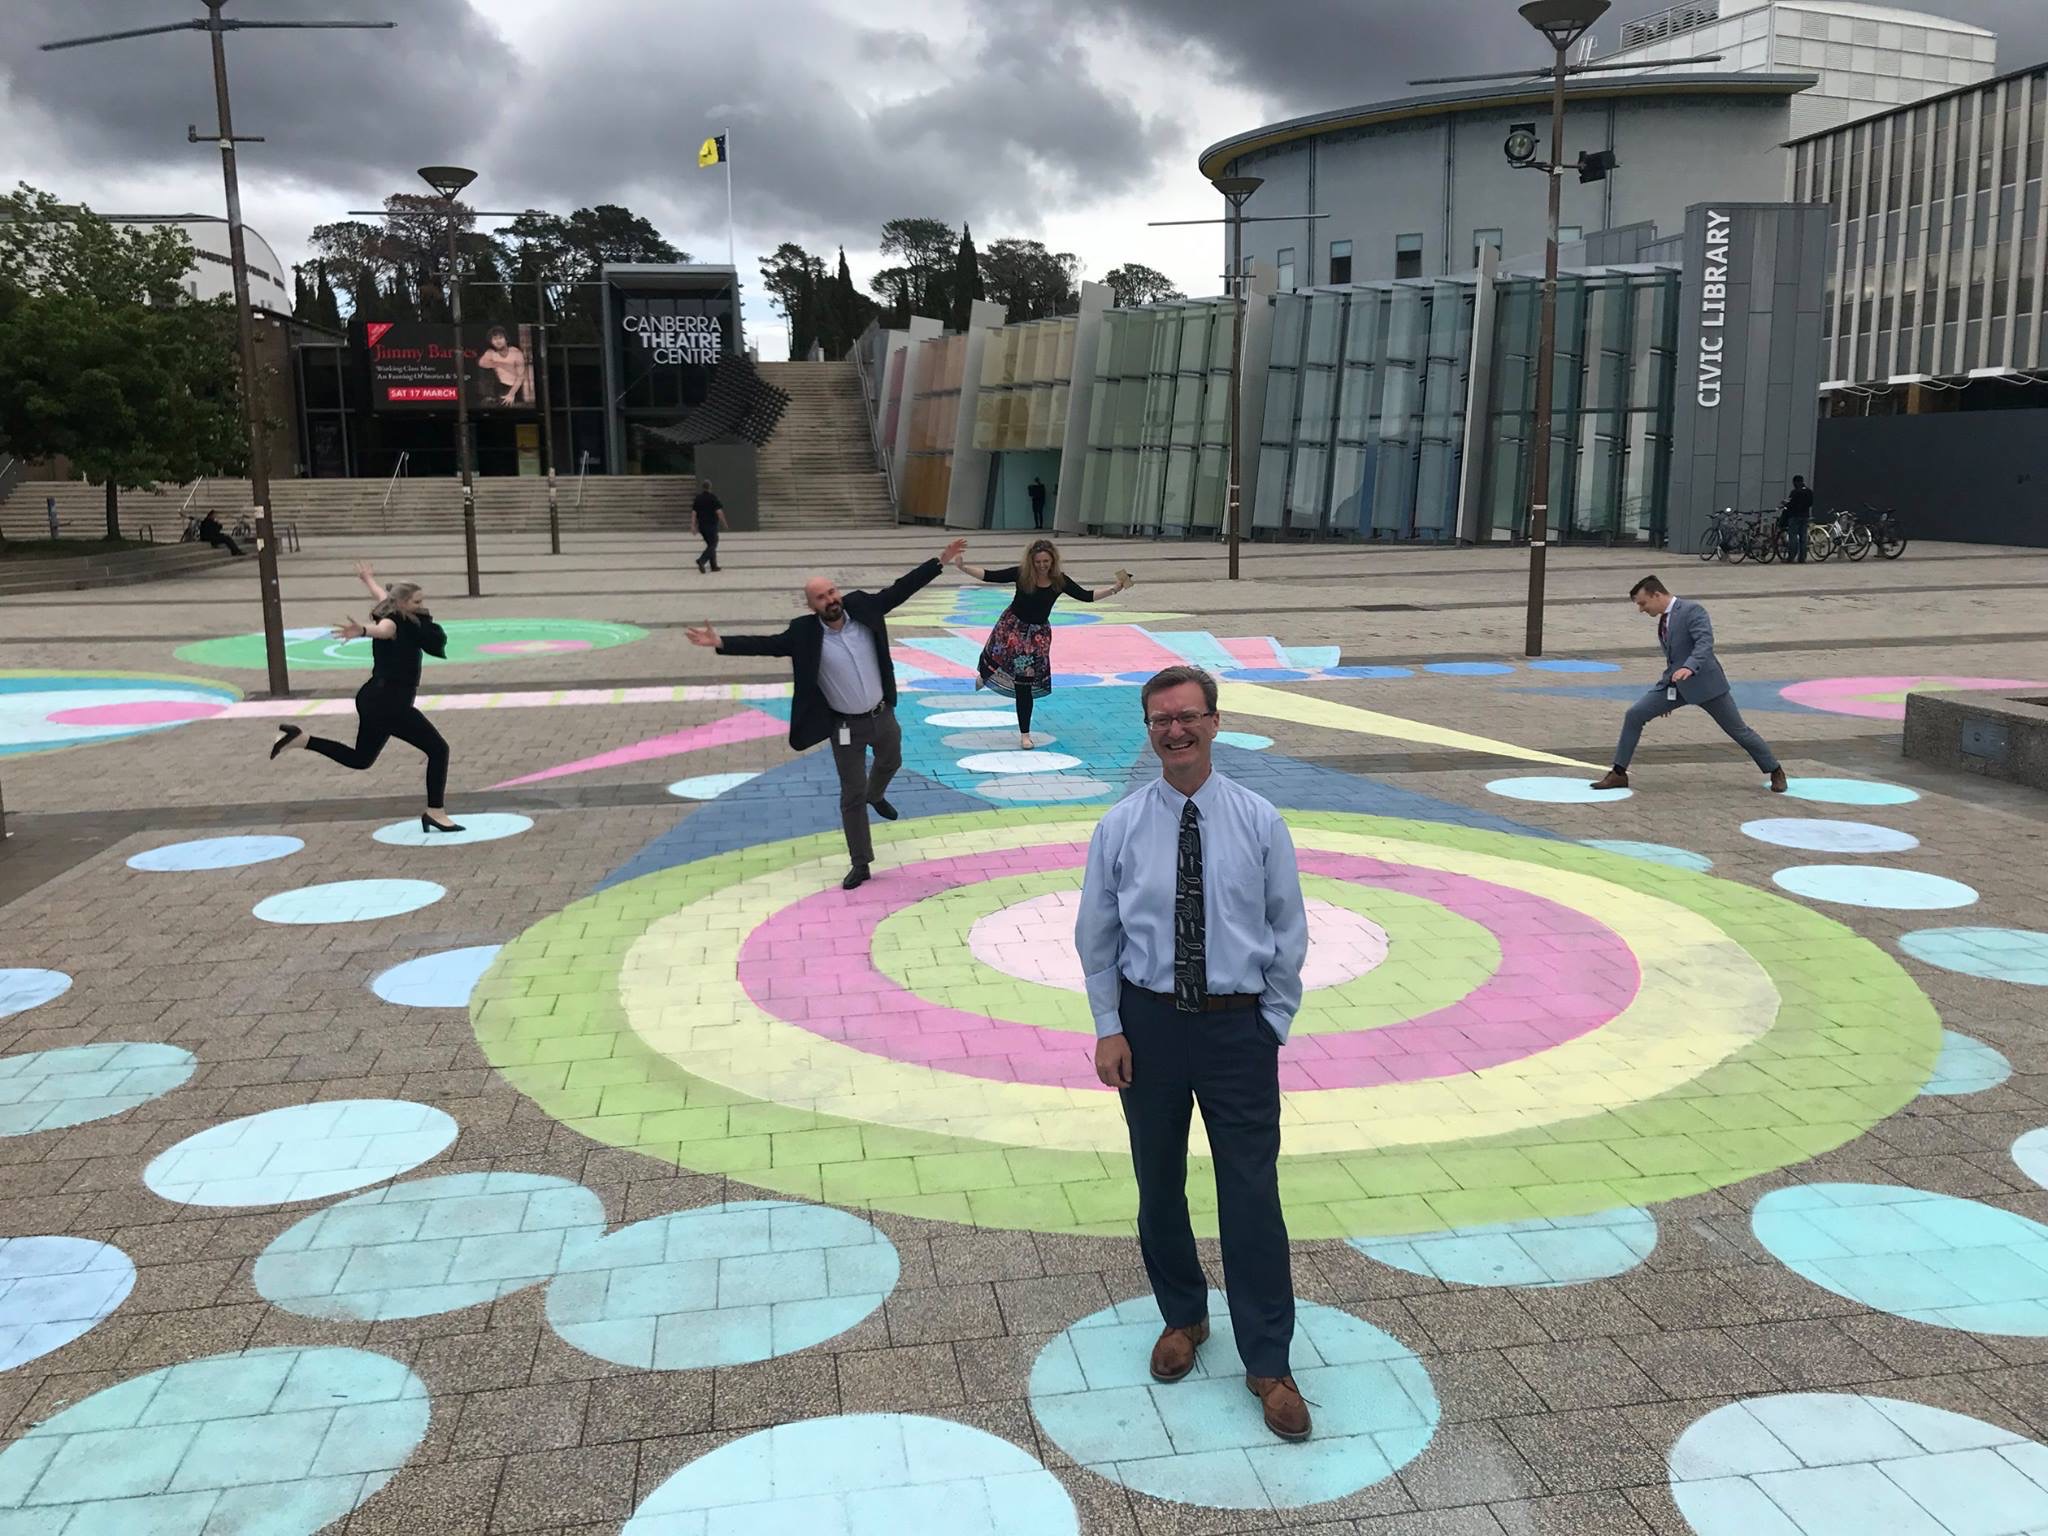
(818, 470)
(124, 568)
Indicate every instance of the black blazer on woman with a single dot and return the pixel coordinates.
(811, 718)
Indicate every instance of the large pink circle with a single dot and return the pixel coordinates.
(1562, 974)
(1877, 698)
(138, 712)
(532, 647)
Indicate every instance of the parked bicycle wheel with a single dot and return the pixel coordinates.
(1859, 543)
(1890, 542)
(1710, 542)
(1820, 541)
(1763, 545)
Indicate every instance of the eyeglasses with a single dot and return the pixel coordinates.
(1186, 719)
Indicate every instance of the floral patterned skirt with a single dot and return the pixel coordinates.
(1017, 658)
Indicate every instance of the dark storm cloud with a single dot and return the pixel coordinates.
(350, 107)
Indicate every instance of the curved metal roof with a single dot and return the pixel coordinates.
(1535, 92)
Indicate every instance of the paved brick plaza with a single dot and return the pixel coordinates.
(1670, 1163)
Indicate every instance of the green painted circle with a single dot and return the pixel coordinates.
(469, 640)
(1853, 1039)
(1434, 957)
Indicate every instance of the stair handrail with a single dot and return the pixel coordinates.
(185, 506)
(860, 364)
(582, 478)
(12, 473)
(391, 485)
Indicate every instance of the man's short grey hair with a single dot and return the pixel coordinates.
(1173, 677)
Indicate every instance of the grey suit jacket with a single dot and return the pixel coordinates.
(1689, 642)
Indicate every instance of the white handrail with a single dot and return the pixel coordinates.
(871, 412)
(582, 474)
(185, 506)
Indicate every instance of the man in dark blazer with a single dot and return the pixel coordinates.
(845, 690)
(1691, 676)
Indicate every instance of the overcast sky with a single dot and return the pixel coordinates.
(1039, 118)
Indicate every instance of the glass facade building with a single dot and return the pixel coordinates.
(1027, 377)
(1158, 454)
(937, 367)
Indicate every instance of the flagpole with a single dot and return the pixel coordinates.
(731, 244)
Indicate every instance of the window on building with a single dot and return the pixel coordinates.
(1285, 261)
(1484, 240)
(1340, 261)
(1408, 256)
(1570, 234)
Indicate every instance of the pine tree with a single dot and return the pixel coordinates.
(302, 297)
(966, 284)
(326, 307)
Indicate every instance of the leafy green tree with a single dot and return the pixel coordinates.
(326, 308)
(351, 255)
(795, 279)
(109, 362)
(926, 248)
(1030, 282)
(1134, 284)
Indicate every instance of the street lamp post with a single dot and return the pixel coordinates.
(1236, 191)
(449, 180)
(1563, 22)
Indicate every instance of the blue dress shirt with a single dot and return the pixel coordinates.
(1255, 926)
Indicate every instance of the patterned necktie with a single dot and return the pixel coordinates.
(1190, 935)
(1663, 625)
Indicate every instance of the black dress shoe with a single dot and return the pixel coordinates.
(429, 825)
(286, 735)
(858, 875)
(884, 809)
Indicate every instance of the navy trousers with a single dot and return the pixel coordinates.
(1654, 705)
(1229, 1063)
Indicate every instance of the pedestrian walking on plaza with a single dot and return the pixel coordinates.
(1691, 675)
(1018, 657)
(845, 690)
(1798, 519)
(710, 519)
(1192, 933)
(401, 631)
(1036, 491)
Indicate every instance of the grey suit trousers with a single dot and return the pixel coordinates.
(1654, 705)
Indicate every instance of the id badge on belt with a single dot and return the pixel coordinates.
(845, 737)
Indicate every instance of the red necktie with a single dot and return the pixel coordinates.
(1663, 625)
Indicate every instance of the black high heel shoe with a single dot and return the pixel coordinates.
(429, 825)
(286, 735)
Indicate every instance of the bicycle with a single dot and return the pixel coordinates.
(191, 533)
(1885, 533)
(243, 531)
(1726, 537)
(1841, 535)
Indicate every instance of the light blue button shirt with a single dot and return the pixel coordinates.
(848, 674)
(1255, 926)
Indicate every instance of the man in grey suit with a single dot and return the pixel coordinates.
(1691, 676)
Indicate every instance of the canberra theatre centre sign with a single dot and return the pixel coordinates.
(676, 341)
(1714, 310)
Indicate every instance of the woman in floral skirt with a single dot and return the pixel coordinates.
(1018, 657)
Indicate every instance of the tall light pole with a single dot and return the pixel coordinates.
(216, 27)
(449, 180)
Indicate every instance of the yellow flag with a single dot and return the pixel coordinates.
(712, 153)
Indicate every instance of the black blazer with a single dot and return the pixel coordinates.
(811, 718)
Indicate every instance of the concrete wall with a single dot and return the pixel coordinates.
(733, 468)
(967, 492)
(1739, 436)
(922, 328)
(1979, 477)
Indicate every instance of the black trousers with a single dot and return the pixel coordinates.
(222, 541)
(1038, 514)
(381, 715)
(1229, 1063)
(709, 533)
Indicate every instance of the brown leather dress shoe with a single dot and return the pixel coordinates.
(1779, 784)
(1286, 1413)
(1617, 778)
(1174, 1355)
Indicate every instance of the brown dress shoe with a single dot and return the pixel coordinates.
(1174, 1355)
(1617, 778)
(1286, 1413)
(1778, 781)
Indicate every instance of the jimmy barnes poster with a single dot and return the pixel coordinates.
(412, 366)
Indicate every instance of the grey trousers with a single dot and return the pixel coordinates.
(1722, 711)
(861, 786)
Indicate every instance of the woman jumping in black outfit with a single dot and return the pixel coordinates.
(1018, 657)
(401, 631)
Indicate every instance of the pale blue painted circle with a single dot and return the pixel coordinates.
(429, 1247)
(1817, 836)
(868, 1474)
(1539, 1253)
(1245, 740)
(709, 786)
(349, 901)
(1966, 1065)
(2030, 1154)
(1573, 666)
(25, 987)
(1556, 791)
(53, 1289)
(1019, 761)
(300, 1152)
(993, 740)
(1850, 1464)
(2017, 955)
(216, 853)
(1654, 853)
(1368, 672)
(272, 1442)
(1929, 1258)
(77, 1084)
(1029, 787)
(1868, 885)
(723, 1285)
(1204, 1440)
(443, 980)
(1468, 668)
(1850, 792)
(482, 827)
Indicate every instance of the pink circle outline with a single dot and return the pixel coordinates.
(1858, 696)
(810, 965)
(532, 647)
(138, 712)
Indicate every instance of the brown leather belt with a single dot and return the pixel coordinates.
(1215, 1002)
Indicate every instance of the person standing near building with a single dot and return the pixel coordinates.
(845, 690)
(1692, 675)
(1798, 519)
(711, 518)
(1018, 657)
(1036, 491)
(1192, 933)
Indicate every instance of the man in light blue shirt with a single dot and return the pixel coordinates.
(1192, 933)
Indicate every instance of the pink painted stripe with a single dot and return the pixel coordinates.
(1251, 652)
(1108, 649)
(909, 652)
(1562, 974)
(748, 725)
